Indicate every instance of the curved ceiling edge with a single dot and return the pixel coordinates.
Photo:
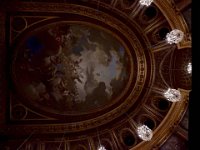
(169, 123)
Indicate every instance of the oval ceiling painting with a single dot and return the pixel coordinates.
(67, 68)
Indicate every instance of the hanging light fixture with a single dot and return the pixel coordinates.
(146, 2)
(101, 147)
(189, 68)
(145, 133)
(175, 36)
(172, 95)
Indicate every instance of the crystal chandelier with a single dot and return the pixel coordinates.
(145, 133)
(101, 147)
(172, 95)
(175, 36)
(146, 2)
(189, 68)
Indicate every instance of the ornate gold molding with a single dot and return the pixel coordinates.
(116, 24)
(169, 124)
(175, 20)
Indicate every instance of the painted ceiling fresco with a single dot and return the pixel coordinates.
(67, 68)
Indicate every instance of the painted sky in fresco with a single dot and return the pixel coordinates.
(71, 68)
